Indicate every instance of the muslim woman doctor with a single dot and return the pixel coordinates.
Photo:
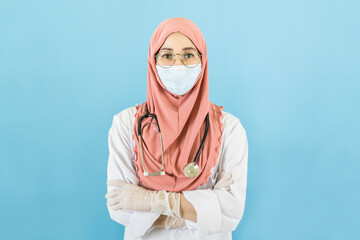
(177, 166)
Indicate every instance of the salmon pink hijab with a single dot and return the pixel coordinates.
(182, 120)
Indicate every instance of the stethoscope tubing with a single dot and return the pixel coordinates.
(148, 114)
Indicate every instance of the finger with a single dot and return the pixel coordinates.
(113, 201)
(221, 174)
(228, 176)
(116, 182)
(111, 193)
(117, 206)
(114, 192)
(229, 182)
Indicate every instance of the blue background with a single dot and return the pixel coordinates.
(289, 70)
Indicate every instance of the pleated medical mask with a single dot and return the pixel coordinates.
(178, 79)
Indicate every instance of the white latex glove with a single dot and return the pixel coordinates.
(172, 222)
(224, 182)
(221, 182)
(133, 197)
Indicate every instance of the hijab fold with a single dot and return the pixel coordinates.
(182, 120)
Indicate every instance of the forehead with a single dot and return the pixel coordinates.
(177, 41)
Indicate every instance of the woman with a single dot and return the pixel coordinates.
(183, 173)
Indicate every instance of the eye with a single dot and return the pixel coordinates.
(166, 55)
(188, 55)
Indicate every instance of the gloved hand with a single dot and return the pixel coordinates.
(221, 182)
(133, 197)
(224, 182)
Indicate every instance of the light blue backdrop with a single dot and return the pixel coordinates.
(289, 70)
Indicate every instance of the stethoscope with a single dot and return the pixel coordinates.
(191, 170)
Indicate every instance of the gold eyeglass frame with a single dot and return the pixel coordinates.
(181, 58)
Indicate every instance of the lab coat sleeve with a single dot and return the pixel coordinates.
(120, 166)
(221, 210)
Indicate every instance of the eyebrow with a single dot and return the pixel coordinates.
(185, 48)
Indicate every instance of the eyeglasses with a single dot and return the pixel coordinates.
(166, 59)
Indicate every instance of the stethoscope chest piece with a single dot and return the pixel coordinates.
(191, 170)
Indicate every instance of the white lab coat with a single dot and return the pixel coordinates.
(218, 211)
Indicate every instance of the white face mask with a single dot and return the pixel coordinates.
(178, 79)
